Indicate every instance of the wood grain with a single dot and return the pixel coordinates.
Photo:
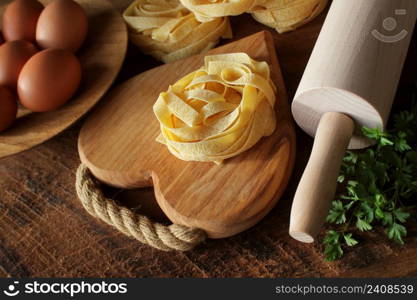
(351, 71)
(118, 145)
(101, 58)
(45, 231)
(354, 74)
(318, 184)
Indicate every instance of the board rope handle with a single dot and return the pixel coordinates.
(318, 184)
(162, 237)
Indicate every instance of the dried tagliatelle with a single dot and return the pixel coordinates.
(206, 10)
(168, 31)
(218, 111)
(287, 15)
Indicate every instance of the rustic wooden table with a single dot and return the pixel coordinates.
(45, 232)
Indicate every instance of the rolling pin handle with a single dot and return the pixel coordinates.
(318, 184)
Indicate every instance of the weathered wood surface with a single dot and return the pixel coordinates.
(44, 231)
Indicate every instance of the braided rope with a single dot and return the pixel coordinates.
(166, 238)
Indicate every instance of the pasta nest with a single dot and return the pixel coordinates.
(287, 15)
(218, 111)
(207, 10)
(168, 31)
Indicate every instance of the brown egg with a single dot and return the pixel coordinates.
(63, 24)
(8, 108)
(19, 20)
(13, 56)
(48, 80)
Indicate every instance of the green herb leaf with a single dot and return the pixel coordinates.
(333, 252)
(396, 232)
(377, 184)
(341, 179)
(333, 249)
(363, 225)
(350, 241)
(337, 213)
(401, 215)
(372, 133)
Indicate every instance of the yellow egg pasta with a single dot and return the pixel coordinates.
(207, 10)
(218, 111)
(168, 31)
(287, 15)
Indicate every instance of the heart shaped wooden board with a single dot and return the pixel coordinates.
(101, 58)
(118, 145)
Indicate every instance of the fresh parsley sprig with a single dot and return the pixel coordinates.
(379, 186)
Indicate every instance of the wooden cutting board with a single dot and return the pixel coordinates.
(101, 58)
(118, 144)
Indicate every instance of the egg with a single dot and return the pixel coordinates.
(63, 24)
(20, 19)
(8, 108)
(48, 80)
(13, 56)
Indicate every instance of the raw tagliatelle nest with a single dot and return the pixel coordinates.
(218, 111)
(168, 31)
(283, 15)
(206, 10)
(287, 15)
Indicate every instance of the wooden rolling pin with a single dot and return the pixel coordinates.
(350, 81)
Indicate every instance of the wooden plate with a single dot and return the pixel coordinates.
(118, 144)
(101, 57)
